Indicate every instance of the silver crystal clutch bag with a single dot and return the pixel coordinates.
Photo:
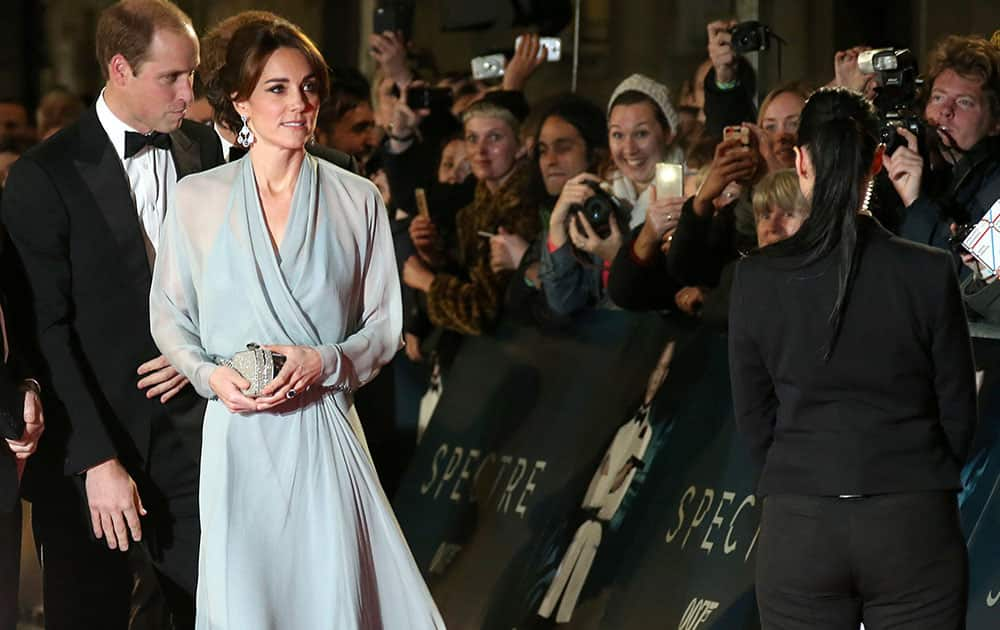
(257, 365)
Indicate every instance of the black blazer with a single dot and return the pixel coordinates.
(70, 215)
(893, 410)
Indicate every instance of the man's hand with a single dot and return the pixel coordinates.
(528, 56)
(574, 193)
(115, 505)
(162, 379)
(720, 50)
(847, 74)
(585, 238)
(905, 168)
(34, 426)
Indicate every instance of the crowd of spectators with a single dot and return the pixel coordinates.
(485, 190)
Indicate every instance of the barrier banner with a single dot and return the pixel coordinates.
(595, 480)
(492, 499)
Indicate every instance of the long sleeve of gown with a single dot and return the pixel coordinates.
(173, 297)
(355, 361)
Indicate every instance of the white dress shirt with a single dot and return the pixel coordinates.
(226, 144)
(151, 175)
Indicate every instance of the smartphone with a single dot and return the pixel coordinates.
(393, 16)
(428, 98)
(669, 180)
(553, 47)
(488, 66)
(737, 131)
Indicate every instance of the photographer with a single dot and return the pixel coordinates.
(963, 108)
(730, 84)
(571, 148)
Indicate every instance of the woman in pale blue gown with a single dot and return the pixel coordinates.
(291, 252)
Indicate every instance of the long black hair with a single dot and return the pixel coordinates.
(839, 130)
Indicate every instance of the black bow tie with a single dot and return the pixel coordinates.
(134, 142)
(236, 152)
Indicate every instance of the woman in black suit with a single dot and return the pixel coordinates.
(853, 382)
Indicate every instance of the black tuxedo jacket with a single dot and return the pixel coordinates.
(70, 214)
(894, 408)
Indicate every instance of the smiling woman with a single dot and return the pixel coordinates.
(285, 249)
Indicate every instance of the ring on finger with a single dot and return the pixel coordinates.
(291, 394)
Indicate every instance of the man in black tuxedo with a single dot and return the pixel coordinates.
(119, 461)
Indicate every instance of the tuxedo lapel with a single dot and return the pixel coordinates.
(186, 153)
(102, 172)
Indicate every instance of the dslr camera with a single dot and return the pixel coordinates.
(895, 94)
(600, 209)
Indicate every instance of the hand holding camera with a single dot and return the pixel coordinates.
(528, 56)
(389, 50)
(586, 238)
(575, 193)
(846, 72)
(720, 50)
(734, 162)
(905, 167)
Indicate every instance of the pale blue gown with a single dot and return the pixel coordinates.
(296, 531)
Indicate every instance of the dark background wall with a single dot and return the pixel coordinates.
(48, 42)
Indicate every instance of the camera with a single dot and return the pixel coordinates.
(392, 16)
(750, 37)
(488, 66)
(599, 209)
(897, 82)
(428, 98)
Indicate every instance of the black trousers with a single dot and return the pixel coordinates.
(88, 586)
(10, 564)
(891, 561)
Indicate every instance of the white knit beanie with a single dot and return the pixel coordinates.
(655, 90)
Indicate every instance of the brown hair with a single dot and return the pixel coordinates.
(793, 87)
(213, 56)
(127, 28)
(971, 57)
(247, 53)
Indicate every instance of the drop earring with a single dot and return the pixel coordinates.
(868, 197)
(245, 137)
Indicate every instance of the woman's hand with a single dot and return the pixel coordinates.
(527, 58)
(424, 236)
(506, 251)
(585, 238)
(302, 369)
(412, 348)
(229, 386)
(574, 193)
(662, 216)
(690, 300)
(389, 50)
(416, 275)
(733, 163)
